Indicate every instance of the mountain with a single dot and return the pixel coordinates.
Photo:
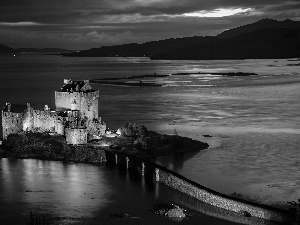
(139, 50)
(261, 24)
(43, 50)
(6, 49)
(265, 38)
(269, 43)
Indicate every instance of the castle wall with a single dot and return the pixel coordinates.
(96, 127)
(76, 110)
(44, 120)
(60, 128)
(76, 136)
(85, 102)
(11, 123)
(28, 120)
(89, 105)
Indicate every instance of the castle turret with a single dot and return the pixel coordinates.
(8, 106)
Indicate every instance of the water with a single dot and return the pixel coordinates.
(254, 121)
(86, 194)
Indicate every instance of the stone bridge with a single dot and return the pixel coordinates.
(238, 207)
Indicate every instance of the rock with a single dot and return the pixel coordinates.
(168, 210)
(133, 130)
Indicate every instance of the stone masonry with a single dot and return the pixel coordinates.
(75, 116)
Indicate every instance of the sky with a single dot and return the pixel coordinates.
(84, 24)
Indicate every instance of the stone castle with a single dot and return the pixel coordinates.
(75, 115)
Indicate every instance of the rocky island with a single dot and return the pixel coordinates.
(132, 139)
(74, 132)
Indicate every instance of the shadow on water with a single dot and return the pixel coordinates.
(175, 162)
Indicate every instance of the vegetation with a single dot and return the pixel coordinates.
(137, 140)
(133, 130)
(6, 49)
(46, 146)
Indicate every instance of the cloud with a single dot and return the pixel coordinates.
(26, 23)
(218, 12)
(92, 23)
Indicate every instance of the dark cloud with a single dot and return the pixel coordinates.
(79, 24)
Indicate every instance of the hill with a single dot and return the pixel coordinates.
(267, 43)
(43, 50)
(141, 50)
(6, 49)
(261, 24)
(266, 38)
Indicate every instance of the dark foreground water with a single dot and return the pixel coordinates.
(86, 194)
(254, 121)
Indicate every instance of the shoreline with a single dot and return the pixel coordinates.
(136, 80)
(135, 140)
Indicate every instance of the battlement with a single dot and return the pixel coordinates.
(76, 86)
(14, 108)
(93, 93)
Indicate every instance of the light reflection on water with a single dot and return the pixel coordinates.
(65, 190)
(86, 194)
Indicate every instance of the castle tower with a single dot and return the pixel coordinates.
(78, 95)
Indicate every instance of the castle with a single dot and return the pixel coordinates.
(75, 115)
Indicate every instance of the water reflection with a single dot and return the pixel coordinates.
(53, 188)
(175, 162)
(87, 194)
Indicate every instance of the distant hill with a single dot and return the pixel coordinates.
(6, 49)
(139, 50)
(44, 50)
(261, 24)
(267, 43)
(266, 38)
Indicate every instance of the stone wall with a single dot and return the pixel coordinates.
(31, 120)
(76, 136)
(28, 119)
(96, 127)
(60, 127)
(11, 123)
(44, 121)
(85, 102)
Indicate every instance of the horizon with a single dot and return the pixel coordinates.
(77, 25)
